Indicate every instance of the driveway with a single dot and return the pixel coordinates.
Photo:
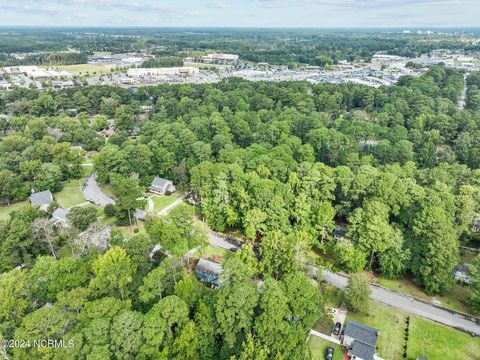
(339, 316)
(93, 192)
(406, 303)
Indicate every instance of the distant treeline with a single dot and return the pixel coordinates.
(166, 61)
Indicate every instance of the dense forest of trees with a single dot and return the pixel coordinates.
(284, 47)
(283, 163)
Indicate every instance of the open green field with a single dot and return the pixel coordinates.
(426, 338)
(84, 68)
(457, 299)
(391, 324)
(160, 202)
(318, 347)
(6, 210)
(438, 342)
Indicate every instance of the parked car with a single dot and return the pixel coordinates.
(329, 353)
(337, 328)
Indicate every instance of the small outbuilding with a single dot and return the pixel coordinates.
(161, 186)
(59, 217)
(461, 273)
(42, 199)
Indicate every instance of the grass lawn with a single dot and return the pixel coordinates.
(71, 195)
(84, 68)
(213, 252)
(391, 324)
(457, 299)
(436, 341)
(318, 347)
(161, 202)
(6, 210)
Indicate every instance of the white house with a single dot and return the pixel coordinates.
(161, 186)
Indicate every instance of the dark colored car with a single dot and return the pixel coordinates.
(337, 328)
(329, 353)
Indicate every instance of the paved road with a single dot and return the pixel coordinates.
(409, 304)
(222, 241)
(94, 193)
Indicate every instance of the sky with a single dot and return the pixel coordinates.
(242, 13)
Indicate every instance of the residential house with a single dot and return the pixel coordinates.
(360, 341)
(209, 271)
(476, 224)
(461, 273)
(161, 186)
(59, 217)
(42, 199)
(340, 232)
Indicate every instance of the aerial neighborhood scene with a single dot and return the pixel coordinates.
(240, 180)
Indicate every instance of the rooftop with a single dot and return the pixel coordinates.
(363, 333)
(41, 198)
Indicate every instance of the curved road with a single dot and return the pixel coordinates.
(409, 304)
(379, 294)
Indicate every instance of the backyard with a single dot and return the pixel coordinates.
(6, 210)
(318, 347)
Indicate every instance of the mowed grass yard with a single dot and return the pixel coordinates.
(6, 210)
(391, 323)
(426, 338)
(438, 342)
(161, 202)
(71, 195)
(318, 347)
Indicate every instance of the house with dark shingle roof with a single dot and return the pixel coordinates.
(360, 341)
(42, 199)
(209, 271)
(161, 186)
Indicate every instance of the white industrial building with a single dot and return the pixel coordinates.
(212, 58)
(36, 72)
(152, 72)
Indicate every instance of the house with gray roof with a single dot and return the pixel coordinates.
(161, 186)
(360, 341)
(59, 216)
(209, 271)
(42, 199)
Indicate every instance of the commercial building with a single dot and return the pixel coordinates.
(153, 72)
